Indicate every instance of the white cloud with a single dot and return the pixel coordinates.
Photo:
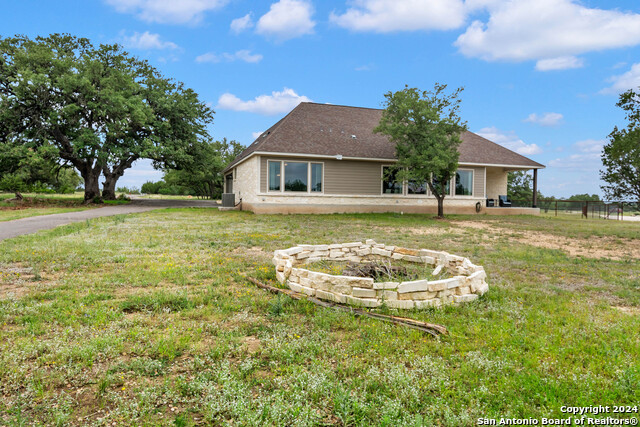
(624, 82)
(509, 140)
(241, 24)
(560, 63)
(586, 156)
(241, 55)
(268, 105)
(287, 19)
(256, 134)
(590, 145)
(520, 30)
(545, 119)
(167, 11)
(385, 16)
(146, 41)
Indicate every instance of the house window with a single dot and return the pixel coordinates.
(316, 177)
(296, 176)
(464, 183)
(389, 183)
(415, 188)
(274, 176)
(447, 186)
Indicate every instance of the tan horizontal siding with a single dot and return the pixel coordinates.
(352, 177)
(340, 176)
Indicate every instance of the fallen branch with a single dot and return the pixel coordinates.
(429, 328)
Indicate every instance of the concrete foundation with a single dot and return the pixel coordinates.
(282, 208)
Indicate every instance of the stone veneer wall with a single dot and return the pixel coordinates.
(467, 284)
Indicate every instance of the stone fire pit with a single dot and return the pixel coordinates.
(468, 281)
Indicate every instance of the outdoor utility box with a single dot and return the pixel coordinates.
(228, 200)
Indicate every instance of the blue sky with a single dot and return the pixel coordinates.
(541, 77)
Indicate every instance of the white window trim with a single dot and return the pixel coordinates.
(282, 173)
(453, 184)
(269, 190)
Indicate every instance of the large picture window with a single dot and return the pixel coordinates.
(296, 176)
(302, 177)
(316, 177)
(416, 188)
(389, 183)
(274, 176)
(447, 186)
(464, 183)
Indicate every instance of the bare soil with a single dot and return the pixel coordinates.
(594, 247)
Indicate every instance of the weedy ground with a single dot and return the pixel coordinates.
(147, 319)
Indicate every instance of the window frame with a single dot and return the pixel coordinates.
(321, 178)
(453, 186)
(449, 194)
(402, 184)
(282, 177)
(279, 190)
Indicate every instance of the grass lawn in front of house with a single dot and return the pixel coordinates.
(146, 319)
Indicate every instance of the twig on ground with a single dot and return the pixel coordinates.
(429, 328)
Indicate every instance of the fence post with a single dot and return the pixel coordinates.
(556, 208)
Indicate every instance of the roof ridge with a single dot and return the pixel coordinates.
(341, 105)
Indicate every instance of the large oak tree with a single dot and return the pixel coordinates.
(426, 129)
(99, 107)
(621, 156)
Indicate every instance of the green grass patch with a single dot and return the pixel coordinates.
(147, 320)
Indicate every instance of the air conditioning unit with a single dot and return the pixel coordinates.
(228, 200)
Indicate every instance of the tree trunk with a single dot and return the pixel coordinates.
(111, 177)
(440, 194)
(440, 207)
(109, 187)
(19, 197)
(91, 185)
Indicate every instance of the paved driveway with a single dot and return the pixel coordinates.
(18, 227)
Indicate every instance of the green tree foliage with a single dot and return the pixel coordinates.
(621, 155)
(426, 129)
(585, 197)
(201, 176)
(34, 170)
(98, 107)
(519, 185)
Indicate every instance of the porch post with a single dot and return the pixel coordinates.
(535, 188)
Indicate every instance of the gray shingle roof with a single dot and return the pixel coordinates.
(327, 130)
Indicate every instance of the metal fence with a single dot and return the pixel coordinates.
(619, 210)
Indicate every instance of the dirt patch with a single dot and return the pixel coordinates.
(251, 344)
(594, 247)
(15, 281)
(632, 311)
(254, 251)
(421, 231)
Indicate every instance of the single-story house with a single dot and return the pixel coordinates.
(323, 158)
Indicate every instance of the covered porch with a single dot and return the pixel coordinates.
(496, 188)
